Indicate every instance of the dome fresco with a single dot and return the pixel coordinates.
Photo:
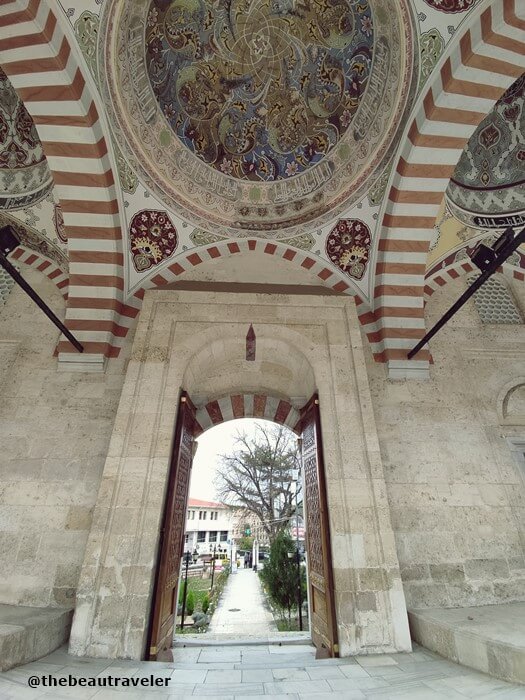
(487, 189)
(259, 91)
(257, 116)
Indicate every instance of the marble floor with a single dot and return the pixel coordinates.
(268, 671)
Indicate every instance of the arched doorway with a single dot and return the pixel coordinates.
(171, 548)
(196, 341)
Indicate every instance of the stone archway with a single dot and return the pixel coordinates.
(304, 345)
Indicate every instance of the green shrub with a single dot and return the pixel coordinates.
(190, 603)
(205, 604)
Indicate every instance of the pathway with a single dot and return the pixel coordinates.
(268, 672)
(242, 609)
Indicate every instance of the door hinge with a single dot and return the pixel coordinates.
(336, 648)
(152, 650)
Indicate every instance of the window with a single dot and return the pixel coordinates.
(214, 515)
(204, 515)
(201, 536)
(200, 514)
(224, 535)
(187, 537)
(213, 536)
(193, 515)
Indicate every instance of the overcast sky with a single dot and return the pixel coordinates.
(214, 442)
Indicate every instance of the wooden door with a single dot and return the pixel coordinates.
(320, 576)
(171, 544)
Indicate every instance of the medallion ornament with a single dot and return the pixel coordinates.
(348, 246)
(153, 238)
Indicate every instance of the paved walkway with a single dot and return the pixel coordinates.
(260, 673)
(242, 609)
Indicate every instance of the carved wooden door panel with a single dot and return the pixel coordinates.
(171, 545)
(320, 576)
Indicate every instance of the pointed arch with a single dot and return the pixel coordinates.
(485, 59)
(41, 62)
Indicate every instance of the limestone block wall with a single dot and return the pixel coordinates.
(54, 433)
(457, 499)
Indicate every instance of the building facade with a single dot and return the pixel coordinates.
(209, 525)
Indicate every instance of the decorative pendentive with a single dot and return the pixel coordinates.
(24, 174)
(487, 189)
(58, 220)
(431, 46)
(451, 6)
(153, 238)
(348, 246)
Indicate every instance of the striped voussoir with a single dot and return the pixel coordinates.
(246, 406)
(37, 55)
(329, 277)
(482, 62)
(39, 262)
(449, 272)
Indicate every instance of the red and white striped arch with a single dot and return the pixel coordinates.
(40, 262)
(484, 61)
(328, 276)
(41, 61)
(235, 406)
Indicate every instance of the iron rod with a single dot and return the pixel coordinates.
(491, 269)
(11, 270)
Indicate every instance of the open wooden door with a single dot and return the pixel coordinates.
(320, 576)
(171, 545)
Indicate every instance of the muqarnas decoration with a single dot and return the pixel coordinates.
(153, 238)
(348, 246)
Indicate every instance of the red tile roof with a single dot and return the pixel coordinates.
(197, 503)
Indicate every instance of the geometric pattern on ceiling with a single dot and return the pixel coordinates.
(271, 196)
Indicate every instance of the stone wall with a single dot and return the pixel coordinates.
(55, 429)
(457, 499)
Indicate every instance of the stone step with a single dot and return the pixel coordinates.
(490, 638)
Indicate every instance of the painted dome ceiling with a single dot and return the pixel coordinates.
(257, 116)
(487, 189)
(24, 174)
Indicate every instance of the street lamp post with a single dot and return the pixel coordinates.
(299, 596)
(187, 559)
(213, 566)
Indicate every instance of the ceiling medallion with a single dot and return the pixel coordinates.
(260, 116)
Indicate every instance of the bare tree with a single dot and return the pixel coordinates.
(258, 476)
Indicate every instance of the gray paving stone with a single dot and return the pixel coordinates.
(255, 675)
(351, 694)
(381, 660)
(325, 672)
(223, 676)
(230, 689)
(290, 674)
(300, 687)
(354, 671)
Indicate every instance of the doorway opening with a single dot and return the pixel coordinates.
(266, 501)
(243, 571)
